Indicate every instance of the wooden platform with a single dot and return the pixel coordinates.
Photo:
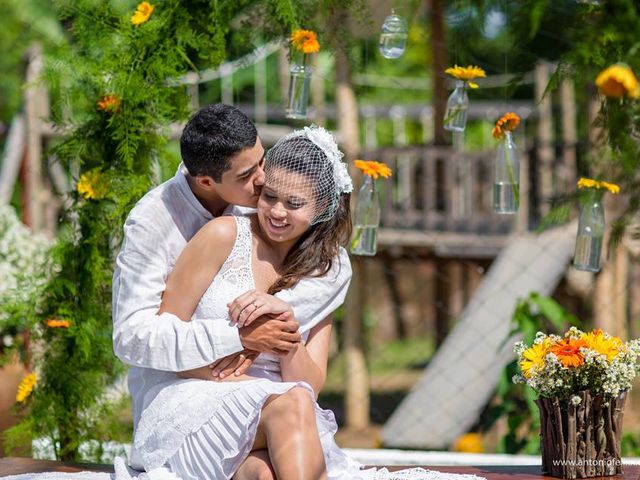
(16, 466)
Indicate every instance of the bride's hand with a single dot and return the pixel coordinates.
(253, 304)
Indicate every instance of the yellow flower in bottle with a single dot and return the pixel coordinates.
(507, 123)
(373, 169)
(597, 184)
(604, 344)
(305, 41)
(533, 357)
(142, 14)
(92, 185)
(466, 73)
(26, 387)
(617, 81)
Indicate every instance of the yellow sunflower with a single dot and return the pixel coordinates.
(305, 41)
(466, 73)
(597, 341)
(590, 183)
(92, 185)
(143, 12)
(26, 387)
(373, 169)
(507, 123)
(617, 81)
(534, 357)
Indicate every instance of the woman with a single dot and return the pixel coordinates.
(206, 429)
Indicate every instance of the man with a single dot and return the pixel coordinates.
(223, 159)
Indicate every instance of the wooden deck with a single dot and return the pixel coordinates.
(17, 466)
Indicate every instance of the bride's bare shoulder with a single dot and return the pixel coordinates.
(218, 234)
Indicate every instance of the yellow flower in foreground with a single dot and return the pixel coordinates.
(534, 357)
(143, 12)
(466, 73)
(373, 169)
(469, 443)
(590, 183)
(617, 81)
(508, 122)
(305, 41)
(603, 344)
(91, 185)
(54, 323)
(26, 387)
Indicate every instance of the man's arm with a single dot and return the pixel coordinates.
(140, 336)
(314, 299)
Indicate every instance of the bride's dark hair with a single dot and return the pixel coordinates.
(314, 252)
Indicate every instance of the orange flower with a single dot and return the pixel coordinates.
(54, 323)
(508, 122)
(109, 103)
(143, 12)
(305, 41)
(617, 81)
(373, 169)
(568, 351)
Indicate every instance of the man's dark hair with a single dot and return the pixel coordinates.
(212, 136)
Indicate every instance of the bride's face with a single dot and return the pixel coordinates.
(286, 205)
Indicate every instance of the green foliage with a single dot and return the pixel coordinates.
(516, 402)
(137, 65)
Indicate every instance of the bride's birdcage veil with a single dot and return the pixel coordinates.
(312, 154)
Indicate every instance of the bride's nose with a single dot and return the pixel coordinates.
(278, 211)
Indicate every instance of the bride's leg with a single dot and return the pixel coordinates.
(257, 466)
(288, 423)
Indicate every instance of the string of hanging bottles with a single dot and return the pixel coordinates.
(366, 220)
(506, 169)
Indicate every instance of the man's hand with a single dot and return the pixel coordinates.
(277, 335)
(236, 363)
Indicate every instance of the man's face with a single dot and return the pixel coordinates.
(242, 183)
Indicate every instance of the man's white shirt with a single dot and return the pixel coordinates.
(155, 233)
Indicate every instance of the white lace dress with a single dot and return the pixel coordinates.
(203, 429)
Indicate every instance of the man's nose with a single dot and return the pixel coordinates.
(258, 180)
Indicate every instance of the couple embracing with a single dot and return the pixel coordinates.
(222, 298)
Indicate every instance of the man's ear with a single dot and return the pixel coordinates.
(205, 182)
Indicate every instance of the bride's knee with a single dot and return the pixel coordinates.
(293, 406)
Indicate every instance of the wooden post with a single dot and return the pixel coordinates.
(569, 169)
(13, 154)
(545, 137)
(36, 108)
(357, 378)
(439, 64)
(455, 289)
(260, 100)
(318, 97)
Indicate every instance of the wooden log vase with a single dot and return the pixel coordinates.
(583, 440)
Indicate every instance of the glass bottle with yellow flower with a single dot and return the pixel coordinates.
(591, 225)
(506, 171)
(367, 215)
(303, 42)
(455, 118)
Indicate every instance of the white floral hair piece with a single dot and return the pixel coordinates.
(327, 142)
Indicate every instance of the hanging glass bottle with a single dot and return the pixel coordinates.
(590, 233)
(506, 182)
(367, 219)
(299, 84)
(393, 37)
(455, 118)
